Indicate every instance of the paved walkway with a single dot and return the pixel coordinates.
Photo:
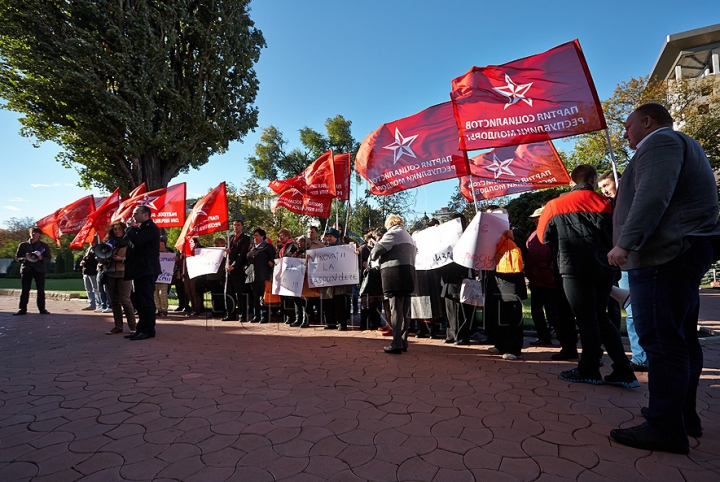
(260, 403)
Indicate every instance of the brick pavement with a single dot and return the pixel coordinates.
(266, 402)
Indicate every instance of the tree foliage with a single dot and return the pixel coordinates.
(134, 90)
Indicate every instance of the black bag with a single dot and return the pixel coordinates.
(102, 279)
(249, 274)
(371, 283)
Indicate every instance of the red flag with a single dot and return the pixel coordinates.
(209, 215)
(545, 96)
(342, 176)
(510, 170)
(294, 201)
(167, 206)
(98, 221)
(413, 151)
(67, 220)
(317, 180)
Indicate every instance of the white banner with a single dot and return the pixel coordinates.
(332, 266)
(478, 244)
(205, 261)
(167, 265)
(288, 277)
(435, 244)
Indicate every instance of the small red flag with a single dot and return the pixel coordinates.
(545, 96)
(342, 176)
(294, 201)
(412, 151)
(209, 215)
(98, 221)
(167, 206)
(67, 220)
(511, 170)
(317, 180)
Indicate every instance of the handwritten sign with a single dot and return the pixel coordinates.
(476, 247)
(288, 277)
(205, 261)
(332, 266)
(167, 265)
(435, 244)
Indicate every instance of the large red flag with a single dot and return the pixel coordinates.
(510, 170)
(545, 96)
(342, 176)
(317, 180)
(209, 215)
(294, 201)
(413, 151)
(167, 206)
(67, 220)
(98, 222)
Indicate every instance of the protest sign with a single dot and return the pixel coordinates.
(435, 244)
(288, 276)
(332, 266)
(476, 247)
(205, 261)
(167, 265)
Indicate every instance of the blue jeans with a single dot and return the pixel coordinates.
(638, 354)
(588, 297)
(91, 286)
(666, 304)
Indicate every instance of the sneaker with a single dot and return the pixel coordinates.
(624, 378)
(98, 310)
(576, 376)
(107, 310)
(494, 351)
(89, 308)
(510, 356)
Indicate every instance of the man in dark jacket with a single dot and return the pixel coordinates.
(142, 265)
(580, 224)
(236, 261)
(33, 267)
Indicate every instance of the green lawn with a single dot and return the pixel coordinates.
(73, 285)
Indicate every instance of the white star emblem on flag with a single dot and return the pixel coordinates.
(514, 92)
(498, 167)
(401, 146)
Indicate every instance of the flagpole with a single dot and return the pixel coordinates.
(347, 210)
(612, 156)
(472, 188)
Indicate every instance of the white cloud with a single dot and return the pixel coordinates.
(18, 200)
(12, 208)
(55, 184)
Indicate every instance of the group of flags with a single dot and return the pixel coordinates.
(515, 108)
(88, 216)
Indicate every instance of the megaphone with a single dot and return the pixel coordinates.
(103, 251)
(621, 296)
(35, 256)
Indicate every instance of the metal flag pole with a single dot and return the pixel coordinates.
(612, 157)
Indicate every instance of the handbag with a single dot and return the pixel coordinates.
(249, 274)
(372, 283)
(471, 292)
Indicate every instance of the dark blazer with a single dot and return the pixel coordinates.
(260, 258)
(143, 253)
(666, 195)
(237, 256)
(28, 247)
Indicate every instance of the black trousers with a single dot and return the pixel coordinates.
(145, 303)
(26, 283)
(239, 291)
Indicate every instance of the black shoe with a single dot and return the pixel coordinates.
(462, 342)
(394, 351)
(44, 312)
(638, 368)
(421, 335)
(622, 378)
(296, 324)
(564, 356)
(20, 312)
(342, 327)
(691, 431)
(540, 342)
(576, 376)
(142, 336)
(305, 324)
(131, 335)
(644, 437)
(179, 309)
(330, 327)
(254, 319)
(448, 341)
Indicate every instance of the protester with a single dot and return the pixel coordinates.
(143, 268)
(666, 209)
(161, 289)
(261, 257)
(396, 253)
(580, 223)
(539, 265)
(34, 256)
(313, 305)
(191, 290)
(182, 297)
(89, 264)
(333, 298)
(426, 304)
(292, 306)
(119, 289)
(310, 295)
(371, 294)
(236, 260)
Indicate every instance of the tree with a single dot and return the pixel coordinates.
(16, 232)
(134, 91)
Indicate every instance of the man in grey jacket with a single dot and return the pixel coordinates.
(666, 209)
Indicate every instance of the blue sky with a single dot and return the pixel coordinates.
(376, 61)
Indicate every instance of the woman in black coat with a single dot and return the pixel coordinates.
(260, 256)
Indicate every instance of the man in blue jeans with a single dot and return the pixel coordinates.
(666, 209)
